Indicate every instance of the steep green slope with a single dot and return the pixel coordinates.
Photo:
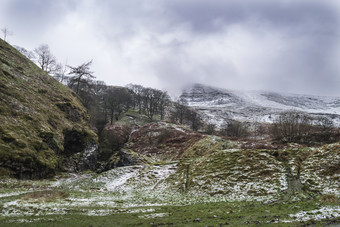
(44, 127)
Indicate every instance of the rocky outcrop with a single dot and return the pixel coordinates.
(44, 127)
(111, 152)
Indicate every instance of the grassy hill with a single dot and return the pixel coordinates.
(43, 123)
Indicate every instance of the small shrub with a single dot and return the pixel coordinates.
(210, 130)
(284, 156)
(2, 109)
(42, 91)
(236, 129)
(331, 169)
(163, 136)
(7, 138)
(298, 127)
(5, 172)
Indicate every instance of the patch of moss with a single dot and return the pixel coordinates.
(4, 172)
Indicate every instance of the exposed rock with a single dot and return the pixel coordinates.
(83, 160)
(197, 220)
(113, 138)
(111, 153)
(119, 159)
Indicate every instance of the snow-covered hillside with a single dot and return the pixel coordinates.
(219, 105)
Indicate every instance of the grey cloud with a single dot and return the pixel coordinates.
(309, 31)
(35, 17)
(174, 74)
(284, 45)
(204, 15)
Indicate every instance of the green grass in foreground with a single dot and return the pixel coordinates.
(205, 214)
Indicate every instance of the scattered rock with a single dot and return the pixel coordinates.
(197, 220)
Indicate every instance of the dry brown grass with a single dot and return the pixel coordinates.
(46, 196)
(331, 169)
(156, 138)
(329, 198)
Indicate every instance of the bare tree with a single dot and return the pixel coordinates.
(138, 95)
(298, 127)
(46, 60)
(6, 33)
(236, 129)
(117, 100)
(258, 129)
(61, 73)
(324, 123)
(291, 126)
(194, 118)
(149, 101)
(81, 76)
(150, 97)
(180, 110)
(163, 102)
(28, 54)
(154, 102)
(211, 128)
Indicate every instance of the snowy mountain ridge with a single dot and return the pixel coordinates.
(219, 105)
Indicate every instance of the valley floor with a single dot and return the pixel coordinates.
(142, 196)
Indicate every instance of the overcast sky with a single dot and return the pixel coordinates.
(277, 45)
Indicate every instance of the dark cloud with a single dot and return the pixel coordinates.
(210, 16)
(282, 45)
(309, 32)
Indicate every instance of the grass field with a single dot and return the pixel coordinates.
(122, 198)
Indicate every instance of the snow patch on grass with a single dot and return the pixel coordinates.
(327, 212)
(9, 194)
(155, 215)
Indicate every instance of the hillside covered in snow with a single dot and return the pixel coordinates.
(219, 105)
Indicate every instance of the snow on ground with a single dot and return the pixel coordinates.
(120, 180)
(118, 190)
(318, 214)
(317, 164)
(9, 194)
(141, 189)
(135, 177)
(218, 104)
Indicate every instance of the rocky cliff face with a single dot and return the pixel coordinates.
(44, 128)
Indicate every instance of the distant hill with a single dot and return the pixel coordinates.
(218, 105)
(44, 127)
